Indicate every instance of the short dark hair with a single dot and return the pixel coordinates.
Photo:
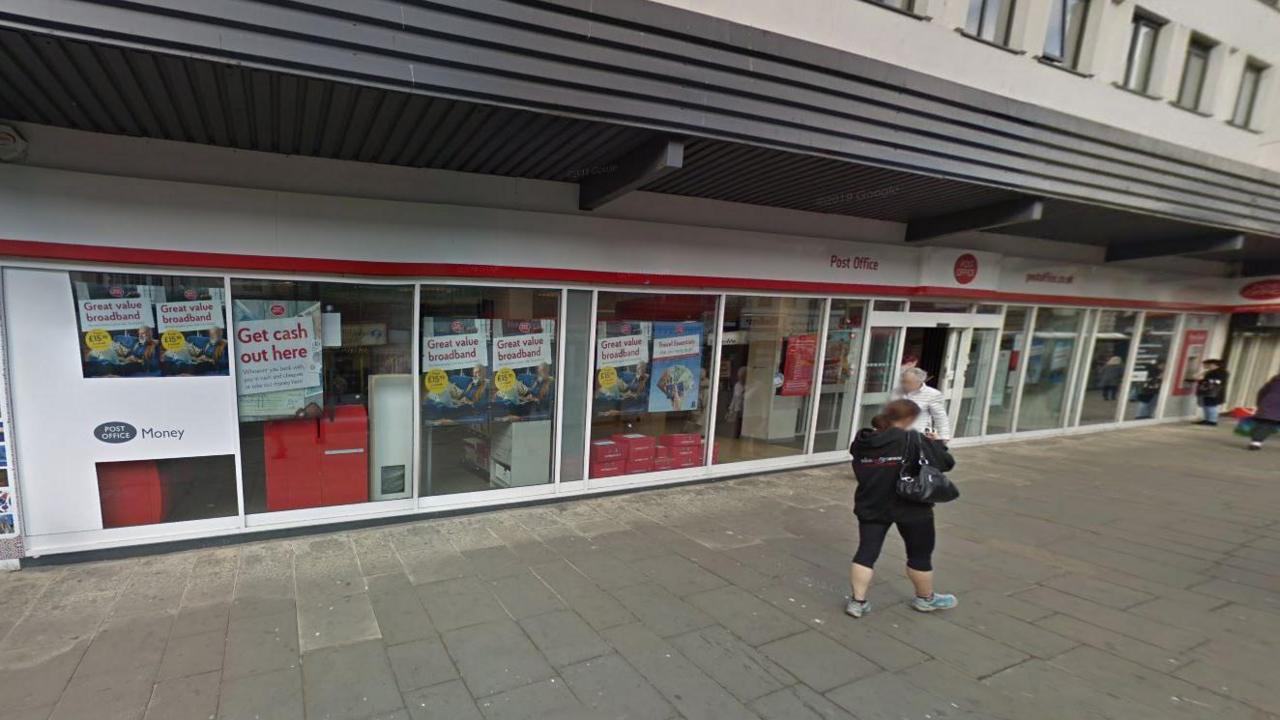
(1213, 361)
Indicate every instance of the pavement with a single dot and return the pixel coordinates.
(1129, 575)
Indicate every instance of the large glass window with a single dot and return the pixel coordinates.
(149, 325)
(325, 390)
(1247, 96)
(1193, 350)
(839, 375)
(769, 346)
(1149, 368)
(1044, 391)
(1142, 52)
(1112, 341)
(652, 383)
(148, 492)
(1194, 70)
(881, 372)
(1013, 341)
(487, 387)
(1066, 31)
(990, 20)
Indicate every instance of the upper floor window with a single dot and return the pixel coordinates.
(1142, 52)
(1247, 99)
(1066, 31)
(1194, 71)
(990, 20)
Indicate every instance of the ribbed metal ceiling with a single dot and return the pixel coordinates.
(101, 88)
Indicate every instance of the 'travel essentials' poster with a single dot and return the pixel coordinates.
(280, 357)
(523, 388)
(192, 340)
(797, 368)
(622, 367)
(677, 366)
(455, 370)
(118, 336)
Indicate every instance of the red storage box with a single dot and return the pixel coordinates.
(662, 452)
(642, 465)
(313, 462)
(664, 463)
(681, 439)
(603, 451)
(637, 446)
(608, 469)
(344, 451)
(131, 493)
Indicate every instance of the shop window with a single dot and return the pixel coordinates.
(973, 383)
(652, 386)
(149, 325)
(882, 371)
(1194, 348)
(933, 306)
(890, 305)
(1113, 339)
(1009, 358)
(149, 492)
(840, 376)
(1049, 359)
(325, 391)
(769, 347)
(487, 387)
(1150, 367)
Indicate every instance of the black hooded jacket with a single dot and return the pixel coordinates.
(877, 464)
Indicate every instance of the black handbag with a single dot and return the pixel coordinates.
(926, 484)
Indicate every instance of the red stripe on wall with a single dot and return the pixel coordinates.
(74, 252)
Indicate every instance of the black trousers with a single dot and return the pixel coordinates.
(1262, 429)
(918, 536)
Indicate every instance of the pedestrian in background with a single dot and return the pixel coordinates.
(1148, 392)
(1109, 377)
(1211, 390)
(1266, 420)
(931, 401)
(880, 457)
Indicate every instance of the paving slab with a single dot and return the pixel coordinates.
(496, 656)
(351, 681)
(614, 689)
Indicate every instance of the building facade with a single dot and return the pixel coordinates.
(266, 267)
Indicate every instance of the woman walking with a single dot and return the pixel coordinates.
(878, 458)
(1266, 420)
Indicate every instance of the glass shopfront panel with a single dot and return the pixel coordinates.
(1113, 338)
(973, 391)
(1192, 352)
(149, 492)
(325, 392)
(769, 346)
(1150, 367)
(1053, 345)
(487, 387)
(577, 399)
(881, 371)
(652, 386)
(1009, 358)
(840, 375)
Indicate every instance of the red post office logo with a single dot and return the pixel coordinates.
(524, 327)
(1261, 290)
(190, 294)
(277, 310)
(966, 269)
(116, 291)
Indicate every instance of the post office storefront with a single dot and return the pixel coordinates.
(188, 361)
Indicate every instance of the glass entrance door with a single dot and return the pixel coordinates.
(970, 397)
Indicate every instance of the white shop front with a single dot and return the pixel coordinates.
(187, 361)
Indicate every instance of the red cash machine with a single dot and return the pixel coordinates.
(311, 462)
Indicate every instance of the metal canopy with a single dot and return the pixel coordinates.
(111, 87)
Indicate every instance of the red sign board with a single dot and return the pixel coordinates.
(797, 368)
(966, 269)
(1193, 347)
(1261, 290)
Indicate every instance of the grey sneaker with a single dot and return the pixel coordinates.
(939, 601)
(857, 609)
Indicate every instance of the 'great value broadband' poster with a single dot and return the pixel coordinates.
(622, 367)
(455, 370)
(523, 387)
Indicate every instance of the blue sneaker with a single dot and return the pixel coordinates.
(857, 609)
(938, 601)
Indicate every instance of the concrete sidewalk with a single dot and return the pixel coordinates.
(1126, 575)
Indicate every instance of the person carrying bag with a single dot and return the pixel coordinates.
(886, 457)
